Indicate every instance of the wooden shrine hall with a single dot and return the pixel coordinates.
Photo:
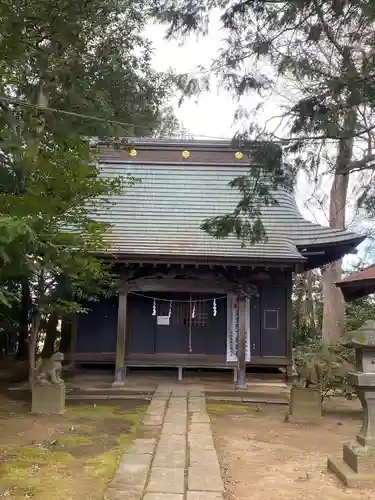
(178, 302)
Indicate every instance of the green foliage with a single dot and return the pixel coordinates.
(61, 192)
(323, 51)
(89, 59)
(14, 234)
(358, 311)
(307, 305)
(324, 367)
(256, 189)
(169, 125)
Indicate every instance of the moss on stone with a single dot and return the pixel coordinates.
(231, 408)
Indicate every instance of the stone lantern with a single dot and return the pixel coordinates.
(357, 466)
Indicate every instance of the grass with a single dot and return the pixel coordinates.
(95, 412)
(74, 440)
(106, 464)
(76, 458)
(219, 408)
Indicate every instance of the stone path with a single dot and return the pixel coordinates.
(177, 458)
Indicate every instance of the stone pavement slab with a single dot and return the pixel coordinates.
(196, 394)
(115, 493)
(155, 467)
(171, 440)
(142, 446)
(200, 418)
(174, 428)
(203, 457)
(200, 428)
(203, 442)
(176, 416)
(175, 459)
(153, 420)
(133, 460)
(164, 496)
(205, 479)
(161, 395)
(204, 495)
(166, 480)
(171, 445)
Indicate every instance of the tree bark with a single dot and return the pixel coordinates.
(51, 336)
(35, 327)
(23, 334)
(333, 303)
(33, 339)
(309, 308)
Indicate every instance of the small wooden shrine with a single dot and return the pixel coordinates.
(178, 302)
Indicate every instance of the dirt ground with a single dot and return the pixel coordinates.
(71, 456)
(263, 457)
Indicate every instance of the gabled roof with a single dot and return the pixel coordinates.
(359, 284)
(161, 215)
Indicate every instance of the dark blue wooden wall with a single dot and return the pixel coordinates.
(146, 337)
(268, 325)
(98, 327)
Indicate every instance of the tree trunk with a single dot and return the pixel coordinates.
(33, 339)
(51, 336)
(35, 327)
(22, 351)
(309, 309)
(334, 305)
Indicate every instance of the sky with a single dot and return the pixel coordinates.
(211, 115)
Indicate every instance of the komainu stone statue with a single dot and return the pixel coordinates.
(48, 371)
(48, 391)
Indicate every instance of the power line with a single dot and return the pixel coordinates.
(18, 102)
(274, 138)
(44, 109)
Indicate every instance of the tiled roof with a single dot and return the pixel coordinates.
(162, 214)
(366, 274)
(358, 285)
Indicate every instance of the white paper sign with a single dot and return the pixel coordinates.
(162, 320)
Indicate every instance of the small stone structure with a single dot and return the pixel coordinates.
(48, 391)
(357, 467)
(305, 405)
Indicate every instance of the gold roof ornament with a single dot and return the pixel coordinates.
(239, 155)
(133, 152)
(185, 154)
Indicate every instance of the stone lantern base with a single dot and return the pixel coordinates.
(356, 468)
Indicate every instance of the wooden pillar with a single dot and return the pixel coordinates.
(289, 328)
(120, 369)
(241, 356)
